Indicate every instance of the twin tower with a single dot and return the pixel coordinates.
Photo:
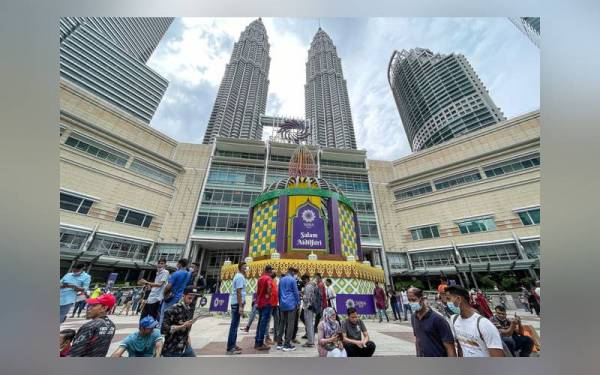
(242, 96)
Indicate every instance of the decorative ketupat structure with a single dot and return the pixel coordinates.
(304, 222)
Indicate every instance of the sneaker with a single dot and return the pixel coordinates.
(288, 348)
(233, 352)
(279, 346)
(268, 341)
(238, 348)
(296, 341)
(262, 347)
(307, 345)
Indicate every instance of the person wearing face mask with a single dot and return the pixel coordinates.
(475, 335)
(76, 281)
(447, 309)
(154, 300)
(238, 300)
(433, 336)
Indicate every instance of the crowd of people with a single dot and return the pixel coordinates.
(291, 300)
(459, 323)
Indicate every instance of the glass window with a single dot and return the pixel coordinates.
(152, 172)
(413, 191)
(457, 180)
(71, 240)
(530, 217)
(234, 174)
(476, 225)
(348, 182)
(221, 222)
(513, 165)
(120, 247)
(96, 149)
(243, 155)
(132, 217)
(75, 204)
(425, 232)
(350, 164)
(368, 229)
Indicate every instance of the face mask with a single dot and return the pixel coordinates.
(452, 307)
(415, 306)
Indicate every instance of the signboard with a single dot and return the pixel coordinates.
(363, 303)
(111, 280)
(219, 302)
(308, 229)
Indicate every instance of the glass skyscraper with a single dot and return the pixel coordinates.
(242, 95)
(107, 56)
(327, 106)
(438, 96)
(530, 26)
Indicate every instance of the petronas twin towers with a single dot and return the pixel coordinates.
(242, 96)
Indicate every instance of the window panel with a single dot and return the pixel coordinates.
(96, 149)
(513, 165)
(476, 225)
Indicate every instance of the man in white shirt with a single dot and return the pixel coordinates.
(405, 304)
(152, 306)
(331, 300)
(476, 336)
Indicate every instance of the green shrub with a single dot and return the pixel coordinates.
(509, 283)
(486, 283)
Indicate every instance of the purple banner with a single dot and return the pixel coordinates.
(308, 229)
(111, 280)
(219, 302)
(363, 303)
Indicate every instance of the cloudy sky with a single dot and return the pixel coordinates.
(193, 54)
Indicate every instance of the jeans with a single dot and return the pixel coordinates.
(275, 315)
(522, 344)
(355, 351)
(189, 352)
(286, 324)
(263, 325)
(395, 309)
(382, 312)
(406, 310)
(79, 306)
(64, 310)
(296, 317)
(233, 328)
(252, 316)
(309, 321)
(164, 307)
(318, 317)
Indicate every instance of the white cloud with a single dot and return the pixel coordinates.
(194, 54)
(287, 71)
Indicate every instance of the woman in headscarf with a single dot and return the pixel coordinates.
(329, 342)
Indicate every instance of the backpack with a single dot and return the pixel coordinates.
(316, 301)
(505, 349)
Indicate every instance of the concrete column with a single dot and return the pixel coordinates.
(474, 280)
(520, 248)
(533, 273)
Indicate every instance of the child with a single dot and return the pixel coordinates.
(65, 338)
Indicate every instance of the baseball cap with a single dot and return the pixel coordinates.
(190, 289)
(148, 322)
(107, 300)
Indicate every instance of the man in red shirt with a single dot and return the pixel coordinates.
(274, 310)
(263, 303)
(323, 291)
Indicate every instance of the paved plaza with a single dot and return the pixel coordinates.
(209, 336)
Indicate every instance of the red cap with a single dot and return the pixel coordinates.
(107, 300)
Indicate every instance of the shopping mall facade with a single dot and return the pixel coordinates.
(130, 195)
